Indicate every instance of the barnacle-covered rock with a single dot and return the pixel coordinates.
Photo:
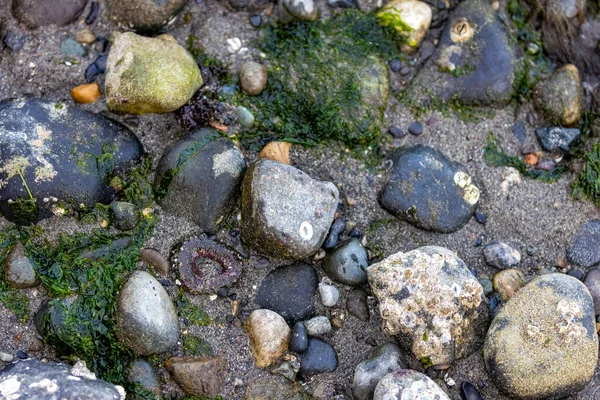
(205, 266)
(432, 302)
(407, 384)
(543, 343)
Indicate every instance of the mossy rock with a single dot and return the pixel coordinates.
(559, 98)
(409, 18)
(149, 75)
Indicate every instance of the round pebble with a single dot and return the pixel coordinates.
(395, 65)
(397, 132)
(255, 20)
(416, 128)
(318, 326)
(6, 357)
(329, 294)
(253, 78)
(299, 339)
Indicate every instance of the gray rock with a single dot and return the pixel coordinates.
(318, 358)
(559, 98)
(203, 185)
(592, 283)
(347, 263)
(318, 326)
(143, 373)
(15, 40)
(543, 342)
(474, 62)
(357, 304)
(299, 339)
(298, 9)
(5, 357)
(329, 294)
(126, 215)
(198, 376)
(501, 255)
(253, 78)
(285, 213)
(407, 384)
(36, 13)
(33, 379)
(555, 138)
(146, 318)
(428, 190)
(584, 249)
(144, 15)
(386, 358)
(245, 117)
(43, 141)
(432, 302)
(270, 388)
(19, 270)
(70, 47)
(487, 285)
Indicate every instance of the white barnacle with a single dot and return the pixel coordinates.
(50, 386)
(462, 180)
(306, 230)
(9, 388)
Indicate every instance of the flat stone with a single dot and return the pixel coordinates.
(386, 358)
(270, 187)
(357, 304)
(543, 342)
(347, 263)
(35, 13)
(144, 15)
(584, 249)
(198, 376)
(318, 358)
(146, 318)
(269, 335)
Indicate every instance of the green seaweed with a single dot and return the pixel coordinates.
(196, 346)
(196, 315)
(454, 106)
(24, 210)
(494, 156)
(587, 183)
(11, 298)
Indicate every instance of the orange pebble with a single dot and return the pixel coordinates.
(531, 159)
(277, 151)
(86, 93)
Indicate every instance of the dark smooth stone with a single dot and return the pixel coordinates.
(299, 339)
(337, 227)
(395, 65)
(318, 358)
(480, 217)
(355, 233)
(22, 355)
(255, 20)
(575, 273)
(397, 132)
(416, 128)
(470, 392)
(93, 14)
(15, 40)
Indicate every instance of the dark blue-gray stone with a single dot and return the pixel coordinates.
(337, 228)
(203, 184)
(318, 358)
(385, 359)
(299, 339)
(34, 379)
(126, 215)
(584, 249)
(15, 40)
(556, 138)
(347, 263)
(428, 190)
(289, 291)
(65, 156)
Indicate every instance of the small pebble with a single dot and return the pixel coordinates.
(70, 47)
(85, 36)
(223, 292)
(480, 217)
(6, 357)
(255, 20)
(507, 282)
(405, 71)
(329, 294)
(395, 65)
(22, 355)
(355, 233)
(415, 128)
(15, 41)
(36, 345)
(93, 14)
(299, 339)
(576, 273)
(245, 117)
(397, 132)
(546, 165)
(487, 285)
(318, 326)
(86, 93)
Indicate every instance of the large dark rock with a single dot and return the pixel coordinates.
(584, 249)
(428, 190)
(65, 156)
(474, 61)
(144, 15)
(36, 13)
(543, 342)
(33, 379)
(318, 358)
(202, 184)
(289, 291)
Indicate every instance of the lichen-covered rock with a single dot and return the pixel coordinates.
(34, 379)
(406, 384)
(144, 15)
(555, 138)
(269, 335)
(285, 213)
(543, 342)
(65, 156)
(385, 359)
(410, 18)
(474, 62)
(432, 302)
(428, 190)
(149, 75)
(146, 318)
(559, 98)
(501, 255)
(36, 13)
(199, 178)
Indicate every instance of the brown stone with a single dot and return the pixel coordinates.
(199, 376)
(156, 260)
(86, 93)
(507, 282)
(277, 151)
(269, 335)
(253, 78)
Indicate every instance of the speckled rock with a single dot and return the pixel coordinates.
(142, 372)
(329, 294)
(402, 14)
(149, 75)
(299, 339)
(269, 335)
(253, 78)
(285, 213)
(19, 270)
(44, 141)
(144, 15)
(289, 291)
(204, 185)
(146, 318)
(432, 302)
(555, 138)
(297, 9)
(508, 282)
(543, 342)
(318, 358)
(34, 379)
(501, 255)
(347, 263)
(592, 283)
(474, 62)
(584, 249)
(36, 13)
(318, 326)
(559, 98)
(407, 384)
(198, 376)
(386, 358)
(428, 190)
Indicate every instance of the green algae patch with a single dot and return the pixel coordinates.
(195, 314)
(327, 81)
(13, 299)
(196, 346)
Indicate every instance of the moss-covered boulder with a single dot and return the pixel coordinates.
(474, 63)
(149, 75)
(559, 98)
(543, 342)
(411, 20)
